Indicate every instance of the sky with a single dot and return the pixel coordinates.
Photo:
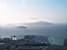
(24, 11)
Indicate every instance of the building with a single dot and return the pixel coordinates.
(36, 39)
(65, 42)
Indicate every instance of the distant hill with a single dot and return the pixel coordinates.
(39, 23)
(24, 27)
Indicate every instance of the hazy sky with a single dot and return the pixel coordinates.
(21, 11)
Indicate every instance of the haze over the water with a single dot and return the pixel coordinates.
(24, 11)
